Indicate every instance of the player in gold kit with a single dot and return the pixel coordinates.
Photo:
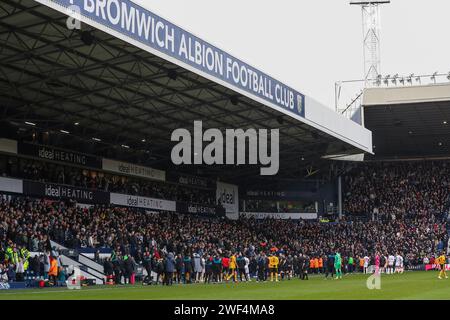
(442, 261)
(273, 267)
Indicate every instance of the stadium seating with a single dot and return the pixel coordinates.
(37, 170)
(405, 206)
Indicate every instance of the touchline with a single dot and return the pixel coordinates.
(230, 150)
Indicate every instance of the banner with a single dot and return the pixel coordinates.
(429, 267)
(190, 180)
(277, 195)
(197, 209)
(228, 196)
(54, 154)
(420, 267)
(142, 202)
(133, 170)
(11, 185)
(52, 190)
(293, 216)
(13, 285)
(139, 26)
(4, 286)
(7, 145)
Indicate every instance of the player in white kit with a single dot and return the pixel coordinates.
(366, 263)
(247, 269)
(391, 261)
(398, 263)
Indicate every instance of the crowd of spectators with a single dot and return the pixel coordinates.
(410, 189)
(409, 199)
(91, 179)
(131, 232)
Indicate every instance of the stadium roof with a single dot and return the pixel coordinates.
(101, 91)
(409, 122)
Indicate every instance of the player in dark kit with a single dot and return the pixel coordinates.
(330, 266)
(383, 262)
(241, 267)
(300, 266)
(262, 262)
(282, 267)
(289, 267)
(208, 269)
(305, 267)
(296, 266)
(179, 267)
(217, 268)
(188, 269)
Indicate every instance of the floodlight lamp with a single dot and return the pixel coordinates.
(433, 77)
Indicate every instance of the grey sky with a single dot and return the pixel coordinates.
(311, 44)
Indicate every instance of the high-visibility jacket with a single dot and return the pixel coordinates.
(8, 253)
(316, 263)
(53, 271)
(25, 255)
(13, 257)
(320, 263)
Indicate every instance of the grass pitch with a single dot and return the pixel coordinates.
(411, 285)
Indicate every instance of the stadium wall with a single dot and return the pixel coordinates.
(281, 216)
(88, 197)
(406, 95)
(226, 194)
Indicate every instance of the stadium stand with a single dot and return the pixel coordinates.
(414, 189)
(42, 171)
(124, 103)
(409, 201)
